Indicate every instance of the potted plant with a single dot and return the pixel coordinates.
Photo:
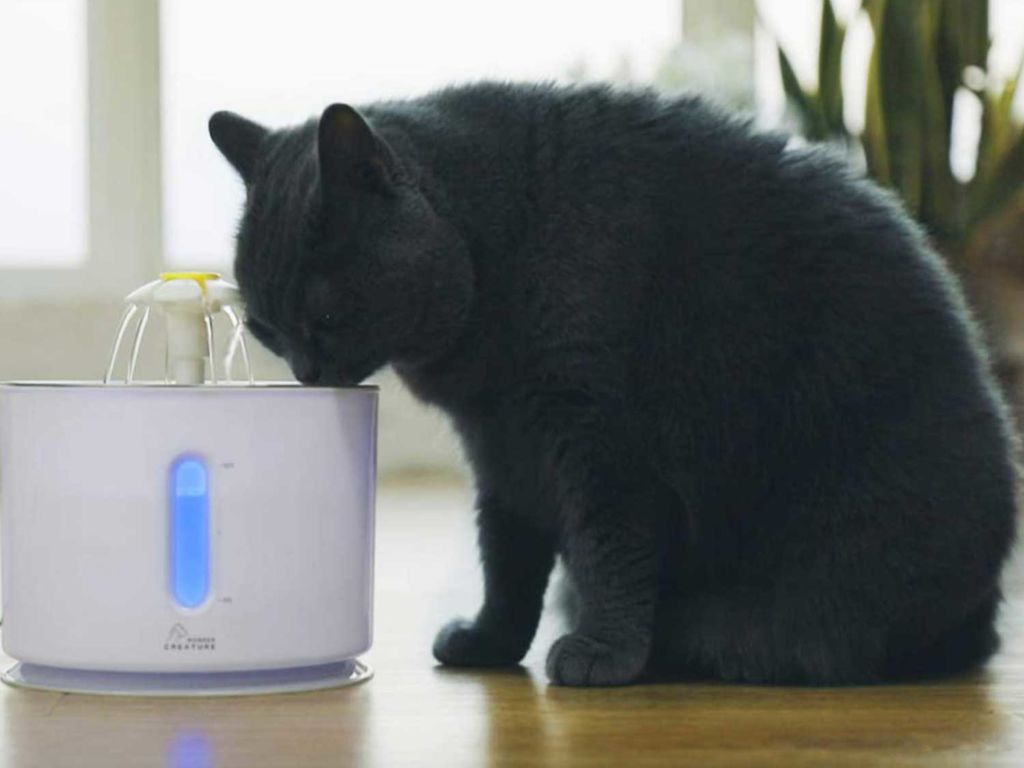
(926, 56)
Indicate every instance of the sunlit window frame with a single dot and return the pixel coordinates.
(123, 247)
(125, 244)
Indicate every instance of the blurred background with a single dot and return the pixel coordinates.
(107, 176)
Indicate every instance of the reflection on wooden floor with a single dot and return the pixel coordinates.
(414, 713)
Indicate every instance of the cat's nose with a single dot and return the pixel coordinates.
(306, 370)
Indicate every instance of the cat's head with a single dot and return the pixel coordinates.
(343, 264)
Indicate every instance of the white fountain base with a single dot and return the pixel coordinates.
(249, 683)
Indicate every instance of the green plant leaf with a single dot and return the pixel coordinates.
(941, 207)
(873, 140)
(1005, 184)
(1009, 93)
(875, 10)
(963, 41)
(806, 103)
(997, 127)
(965, 22)
(830, 55)
(900, 79)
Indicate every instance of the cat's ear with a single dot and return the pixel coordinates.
(238, 140)
(352, 156)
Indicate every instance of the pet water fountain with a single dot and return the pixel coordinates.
(194, 536)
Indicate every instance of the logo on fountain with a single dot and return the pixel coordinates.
(178, 639)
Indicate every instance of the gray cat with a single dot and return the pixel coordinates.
(727, 382)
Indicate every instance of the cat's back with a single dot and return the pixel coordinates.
(573, 133)
(671, 213)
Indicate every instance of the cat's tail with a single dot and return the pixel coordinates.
(966, 646)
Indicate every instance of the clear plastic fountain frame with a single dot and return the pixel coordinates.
(188, 301)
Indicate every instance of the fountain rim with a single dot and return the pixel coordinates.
(235, 386)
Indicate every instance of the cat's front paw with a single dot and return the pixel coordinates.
(465, 644)
(580, 660)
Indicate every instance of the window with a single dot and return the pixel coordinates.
(283, 67)
(128, 122)
(43, 138)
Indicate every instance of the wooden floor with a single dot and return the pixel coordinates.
(413, 713)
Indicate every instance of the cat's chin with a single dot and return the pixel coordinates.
(352, 373)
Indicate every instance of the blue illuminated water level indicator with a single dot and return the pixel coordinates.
(190, 532)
